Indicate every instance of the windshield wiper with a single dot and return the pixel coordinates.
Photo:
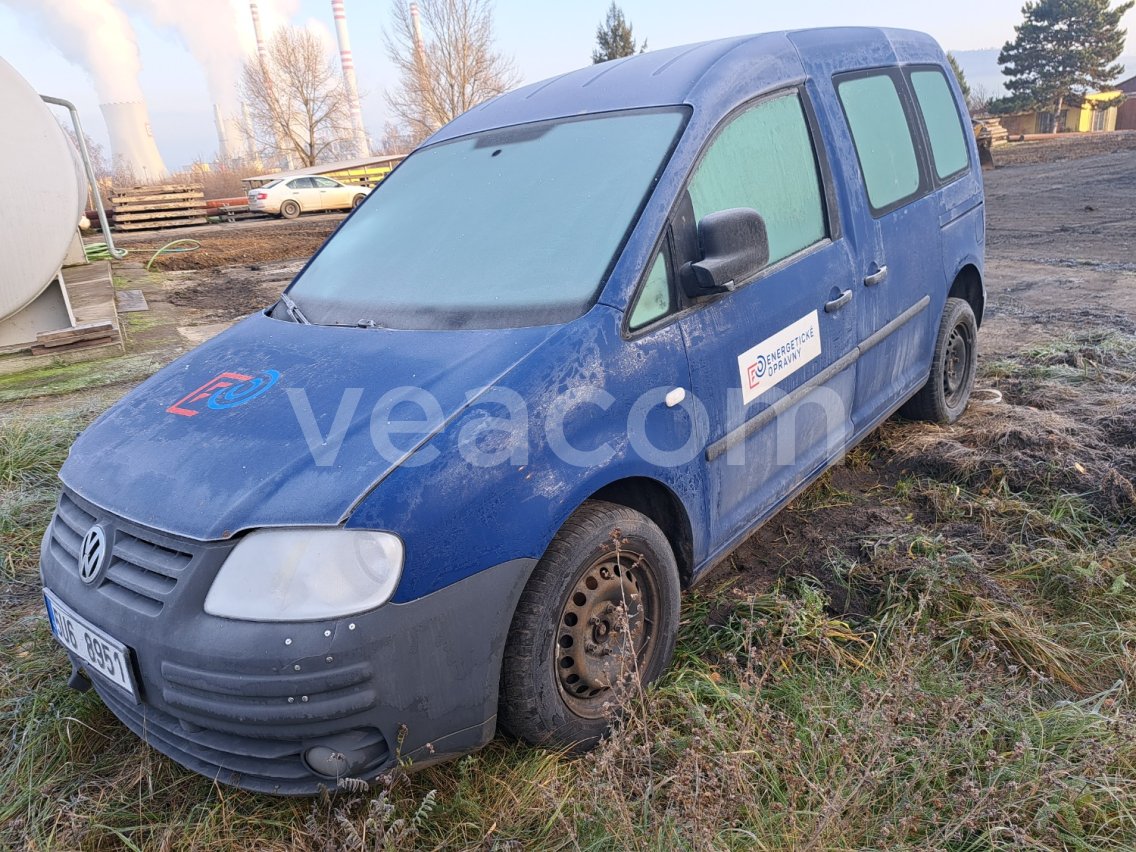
(293, 310)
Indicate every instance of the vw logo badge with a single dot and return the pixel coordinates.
(92, 554)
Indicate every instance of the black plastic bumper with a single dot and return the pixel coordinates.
(241, 702)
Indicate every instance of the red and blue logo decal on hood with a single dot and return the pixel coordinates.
(225, 390)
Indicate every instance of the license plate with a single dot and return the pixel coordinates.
(98, 651)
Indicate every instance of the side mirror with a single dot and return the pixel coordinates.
(735, 247)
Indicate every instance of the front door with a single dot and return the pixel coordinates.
(773, 361)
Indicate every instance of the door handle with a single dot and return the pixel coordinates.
(838, 303)
(876, 277)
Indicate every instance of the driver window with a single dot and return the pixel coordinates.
(764, 159)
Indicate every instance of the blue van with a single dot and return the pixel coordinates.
(577, 347)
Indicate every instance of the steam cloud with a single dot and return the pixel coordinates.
(98, 35)
(95, 34)
(210, 30)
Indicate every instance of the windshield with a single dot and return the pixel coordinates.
(510, 227)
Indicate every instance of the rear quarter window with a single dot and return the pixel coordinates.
(882, 137)
(941, 117)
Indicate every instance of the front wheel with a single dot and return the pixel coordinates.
(600, 612)
(357, 200)
(953, 368)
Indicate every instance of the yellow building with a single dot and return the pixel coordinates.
(1089, 115)
(367, 171)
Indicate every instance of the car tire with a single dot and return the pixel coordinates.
(357, 200)
(953, 368)
(609, 573)
(289, 210)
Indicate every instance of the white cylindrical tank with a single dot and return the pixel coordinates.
(132, 141)
(44, 192)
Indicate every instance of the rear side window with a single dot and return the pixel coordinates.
(764, 159)
(883, 138)
(941, 116)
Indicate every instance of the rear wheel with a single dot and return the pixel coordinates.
(599, 613)
(953, 368)
(289, 209)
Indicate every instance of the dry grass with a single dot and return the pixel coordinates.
(977, 696)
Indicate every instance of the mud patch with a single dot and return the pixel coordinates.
(224, 295)
(243, 243)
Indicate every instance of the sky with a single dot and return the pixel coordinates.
(543, 38)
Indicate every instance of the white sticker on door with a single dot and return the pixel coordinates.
(778, 357)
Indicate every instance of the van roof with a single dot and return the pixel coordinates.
(713, 76)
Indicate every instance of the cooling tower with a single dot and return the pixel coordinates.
(229, 136)
(131, 140)
(349, 80)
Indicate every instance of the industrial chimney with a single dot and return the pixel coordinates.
(132, 141)
(417, 24)
(348, 61)
(261, 47)
(266, 68)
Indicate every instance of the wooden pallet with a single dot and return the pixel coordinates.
(78, 337)
(139, 208)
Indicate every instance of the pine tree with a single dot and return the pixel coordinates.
(960, 76)
(614, 38)
(1063, 49)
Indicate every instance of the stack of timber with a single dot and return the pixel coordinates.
(169, 205)
(82, 336)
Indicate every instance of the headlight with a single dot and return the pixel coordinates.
(306, 575)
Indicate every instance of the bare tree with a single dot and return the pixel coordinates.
(447, 71)
(298, 109)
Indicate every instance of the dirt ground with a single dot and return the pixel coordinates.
(247, 242)
(1061, 250)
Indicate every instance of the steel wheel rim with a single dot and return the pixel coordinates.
(612, 607)
(956, 364)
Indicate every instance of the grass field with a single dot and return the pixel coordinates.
(932, 648)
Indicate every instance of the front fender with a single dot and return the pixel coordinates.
(458, 516)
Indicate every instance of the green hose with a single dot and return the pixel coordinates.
(166, 249)
(100, 251)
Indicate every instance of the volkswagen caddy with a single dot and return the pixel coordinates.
(579, 345)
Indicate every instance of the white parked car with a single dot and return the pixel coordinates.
(289, 197)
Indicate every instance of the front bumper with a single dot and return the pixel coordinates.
(241, 702)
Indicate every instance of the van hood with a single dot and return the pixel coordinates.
(269, 423)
